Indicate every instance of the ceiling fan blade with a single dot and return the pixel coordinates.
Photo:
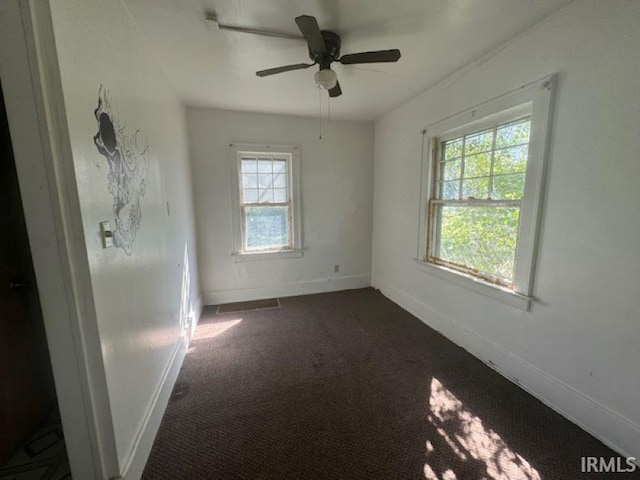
(335, 91)
(308, 25)
(371, 57)
(286, 68)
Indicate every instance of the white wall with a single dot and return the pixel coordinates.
(28, 68)
(139, 299)
(336, 189)
(579, 348)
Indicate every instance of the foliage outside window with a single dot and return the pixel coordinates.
(265, 207)
(479, 190)
(265, 202)
(481, 196)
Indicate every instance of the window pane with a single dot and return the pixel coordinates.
(265, 195)
(250, 195)
(449, 190)
(264, 166)
(249, 165)
(249, 180)
(510, 160)
(265, 180)
(266, 228)
(513, 134)
(453, 149)
(478, 142)
(451, 170)
(477, 165)
(480, 238)
(280, 180)
(508, 187)
(280, 195)
(475, 188)
(279, 166)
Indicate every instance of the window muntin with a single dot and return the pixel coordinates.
(475, 212)
(265, 202)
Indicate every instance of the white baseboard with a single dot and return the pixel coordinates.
(305, 287)
(134, 464)
(611, 428)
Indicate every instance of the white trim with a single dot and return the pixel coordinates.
(482, 117)
(476, 284)
(293, 152)
(253, 257)
(136, 459)
(536, 98)
(611, 428)
(305, 287)
(543, 93)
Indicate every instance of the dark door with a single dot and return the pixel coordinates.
(26, 388)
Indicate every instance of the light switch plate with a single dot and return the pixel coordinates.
(106, 234)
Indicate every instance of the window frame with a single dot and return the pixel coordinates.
(432, 244)
(534, 99)
(292, 156)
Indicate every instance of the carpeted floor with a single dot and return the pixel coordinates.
(348, 385)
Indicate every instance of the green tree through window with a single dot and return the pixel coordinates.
(479, 189)
(265, 203)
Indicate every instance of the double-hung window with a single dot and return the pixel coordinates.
(266, 208)
(483, 181)
(475, 211)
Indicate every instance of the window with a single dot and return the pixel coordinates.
(476, 209)
(483, 184)
(266, 216)
(265, 203)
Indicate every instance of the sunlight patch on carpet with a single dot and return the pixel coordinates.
(466, 436)
(211, 330)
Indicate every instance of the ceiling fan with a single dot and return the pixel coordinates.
(324, 49)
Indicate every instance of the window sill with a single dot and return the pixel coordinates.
(469, 282)
(252, 257)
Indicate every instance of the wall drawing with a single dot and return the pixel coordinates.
(127, 155)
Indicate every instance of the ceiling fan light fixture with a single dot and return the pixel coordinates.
(324, 49)
(325, 78)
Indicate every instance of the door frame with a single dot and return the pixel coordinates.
(42, 150)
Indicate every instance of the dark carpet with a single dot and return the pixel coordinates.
(246, 306)
(348, 385)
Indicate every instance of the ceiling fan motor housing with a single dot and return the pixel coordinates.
(324, 49)
(332, 53)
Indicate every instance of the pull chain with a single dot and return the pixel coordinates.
(320, 106)
(329, 107)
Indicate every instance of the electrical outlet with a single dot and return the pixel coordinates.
(336, 268)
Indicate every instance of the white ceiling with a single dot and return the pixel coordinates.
(217, 68)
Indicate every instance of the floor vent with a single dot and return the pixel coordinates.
(247, 306)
